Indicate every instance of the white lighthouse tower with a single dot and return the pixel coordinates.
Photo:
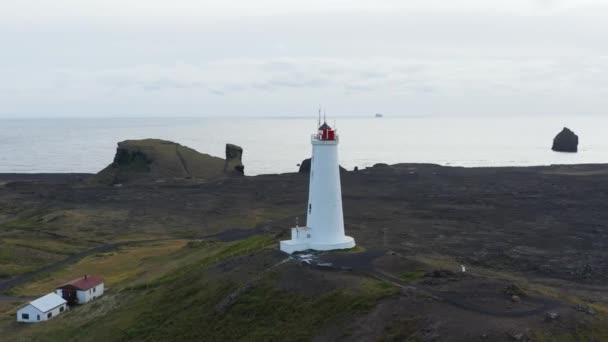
(324, 220)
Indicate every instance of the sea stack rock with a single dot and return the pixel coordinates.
(154, 160)
(234, 163)
(565, 141)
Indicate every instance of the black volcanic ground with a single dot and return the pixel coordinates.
(544, 228)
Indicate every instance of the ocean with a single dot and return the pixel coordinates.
(277, 145)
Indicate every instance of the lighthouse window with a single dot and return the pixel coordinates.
(310, 208)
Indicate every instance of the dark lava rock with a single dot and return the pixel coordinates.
(586, 309)
(514, 290)
(551, 316)
(565, 141)
(234, 162)
(154, 160)
(585, 272)
(437, 277)
(517, 336)
(440, 274)
(305, 166)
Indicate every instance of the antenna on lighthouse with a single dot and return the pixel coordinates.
(324, 116)
(319, 125)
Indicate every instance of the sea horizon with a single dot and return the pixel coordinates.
(276, 145)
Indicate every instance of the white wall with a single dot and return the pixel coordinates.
(34, 313)
(88, 295)
(325, 216)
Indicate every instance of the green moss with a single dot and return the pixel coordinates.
(245, 246)
(412, 276)
(46, 245)
(356, 249)
(15, 259)
(200, 254)
(262, 313)
(379, 288)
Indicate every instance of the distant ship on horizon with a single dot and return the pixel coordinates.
(378, 115)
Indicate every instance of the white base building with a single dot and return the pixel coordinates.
(324, 220)
(42, 309)
(301, 240)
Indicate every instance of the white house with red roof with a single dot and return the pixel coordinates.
(81, 290)
(42, 309)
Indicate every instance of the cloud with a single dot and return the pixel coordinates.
(470, 85)
(431, 56)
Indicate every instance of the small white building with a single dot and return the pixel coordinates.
(81, 290)
(42, 309)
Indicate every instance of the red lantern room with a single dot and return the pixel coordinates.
(326, 132)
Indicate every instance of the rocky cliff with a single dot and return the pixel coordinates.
(160, 160)
(234, 163)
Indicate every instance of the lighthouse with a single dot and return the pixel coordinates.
(324, 228)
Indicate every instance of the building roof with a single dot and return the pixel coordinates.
(48, 302)
(83, 283)
(324, 126)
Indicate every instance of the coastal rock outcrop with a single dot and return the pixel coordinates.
(234, 163)
(160, 160)
(565, 141)
(305, 166)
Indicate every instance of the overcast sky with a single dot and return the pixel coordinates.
(281, 57)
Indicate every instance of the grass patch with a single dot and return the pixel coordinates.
(15, 260)
(356, 249)
(52, 246)
(182, 306)
(8, 309)
(115, 267)
(379, 288)
(195, 257)
(264, 313)
(412, 276)
(245, 246)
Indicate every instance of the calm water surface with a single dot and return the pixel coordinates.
(275, 145)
